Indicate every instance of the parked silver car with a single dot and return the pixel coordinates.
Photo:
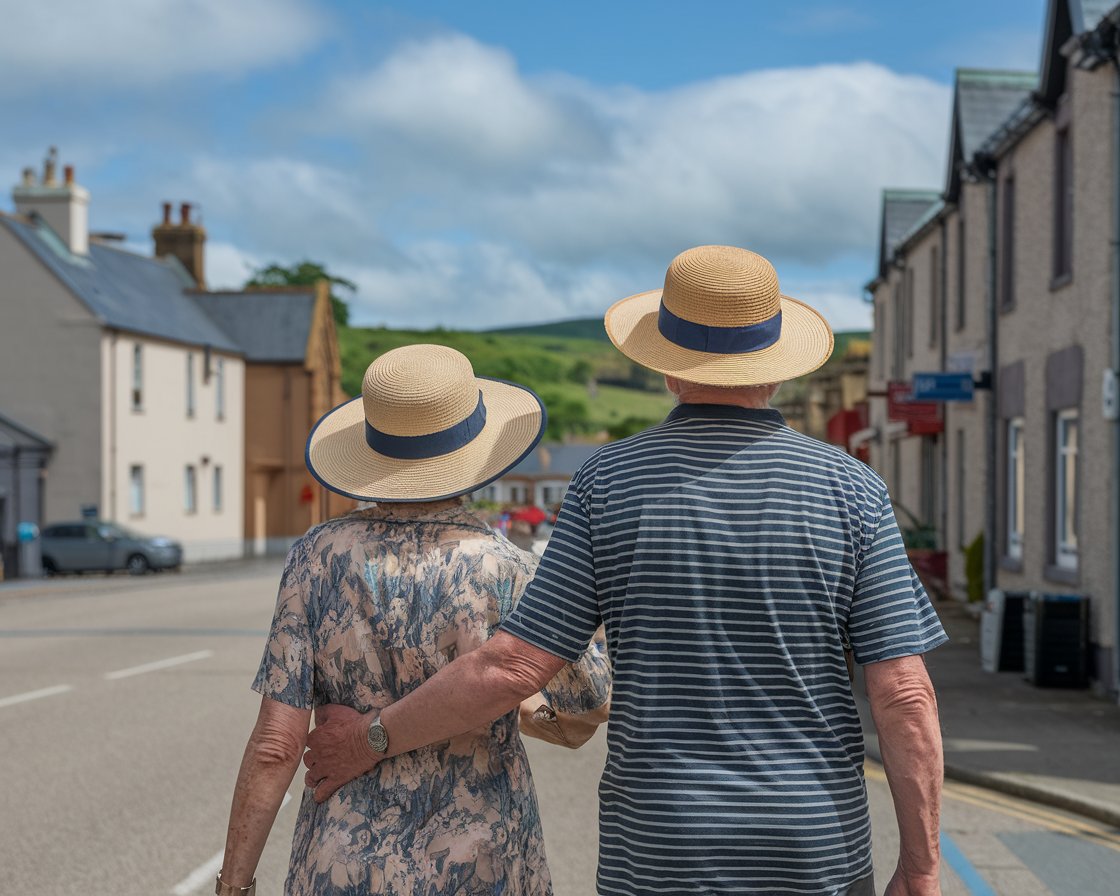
(94, 545)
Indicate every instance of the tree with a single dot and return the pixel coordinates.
(306, 273)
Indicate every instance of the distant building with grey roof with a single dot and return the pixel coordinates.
(147, 385)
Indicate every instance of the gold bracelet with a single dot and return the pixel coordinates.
(221, 888)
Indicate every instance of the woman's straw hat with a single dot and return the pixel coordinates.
(720, 320)
(424, 428)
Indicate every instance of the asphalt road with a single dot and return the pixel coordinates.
(124, 709)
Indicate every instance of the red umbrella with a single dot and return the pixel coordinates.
(533, 515)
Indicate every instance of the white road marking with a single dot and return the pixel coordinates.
(35, 695)
(159, 664)
(205, 873)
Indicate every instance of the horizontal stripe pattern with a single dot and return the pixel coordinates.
(728, 557)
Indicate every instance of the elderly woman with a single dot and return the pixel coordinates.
(371, 605)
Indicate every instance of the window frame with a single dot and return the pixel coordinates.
(137, 376)
(136, 492)
(190, 489)
(218, 486)
(1066, 554)
(191, 405)
(1015, 483)
(1062, 205)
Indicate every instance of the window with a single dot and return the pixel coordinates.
(928, 499)
(934, 295)
(1065, 490)
(137, 377)
(190, 491)
(962, 249)
(899, 333)
(220, 388)
(1007, 247)
(909, 293)
(190, 384)
(217, 489)
(1016, 485)
(136, 490)
(879, 341)
(1063, 205)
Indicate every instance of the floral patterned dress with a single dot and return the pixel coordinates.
(371, 605)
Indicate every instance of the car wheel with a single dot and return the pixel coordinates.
(49, 569)
(137, 564)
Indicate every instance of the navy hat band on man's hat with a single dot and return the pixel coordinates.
(718, 340)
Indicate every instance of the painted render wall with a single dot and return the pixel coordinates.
(49, 376)
(164, 440)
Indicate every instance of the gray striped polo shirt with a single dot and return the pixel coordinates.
(730, 558)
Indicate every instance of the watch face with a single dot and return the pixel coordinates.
(378, 738)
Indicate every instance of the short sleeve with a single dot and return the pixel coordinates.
(559, 611)
(287, 670)
(891, 615)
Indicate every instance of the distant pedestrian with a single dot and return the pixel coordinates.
(732, 561)
(371, 605)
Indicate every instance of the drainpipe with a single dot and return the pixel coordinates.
(944, 446)
(992, 463)
(1116, 363)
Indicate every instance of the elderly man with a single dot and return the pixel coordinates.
(733, 562)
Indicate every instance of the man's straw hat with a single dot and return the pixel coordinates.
(424, 428)
(720, 320)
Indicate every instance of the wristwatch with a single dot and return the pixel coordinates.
(377, 737)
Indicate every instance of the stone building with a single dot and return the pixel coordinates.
(1010, 273)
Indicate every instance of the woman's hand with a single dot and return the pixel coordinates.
(337, 749)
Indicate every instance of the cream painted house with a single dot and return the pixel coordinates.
(1012, 272)
(104, 353)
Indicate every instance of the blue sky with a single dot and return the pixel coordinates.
(474, 165)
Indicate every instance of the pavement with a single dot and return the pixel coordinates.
(1056, 746)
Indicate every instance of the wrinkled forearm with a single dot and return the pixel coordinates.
(475, 689)
(270, 762)
(905, 712)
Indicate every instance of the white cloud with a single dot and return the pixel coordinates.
(434, 229)
(454, 189)
(451, 101)
(228, 267)
(133, 43)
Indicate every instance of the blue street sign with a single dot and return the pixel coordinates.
(942, 387)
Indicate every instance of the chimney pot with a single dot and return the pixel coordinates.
(29, 177)
(185, 213)
(167, 213)
(49, 165)
(68, 175)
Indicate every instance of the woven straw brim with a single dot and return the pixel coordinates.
(805, 344)
(339, 457)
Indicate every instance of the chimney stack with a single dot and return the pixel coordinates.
(185, 240)
(64, 207)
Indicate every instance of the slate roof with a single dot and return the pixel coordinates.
(16, 434)
(124, 290)
(269, 325)
(554, 459)
(985, 99)
(902, 211)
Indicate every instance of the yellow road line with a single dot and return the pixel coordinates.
(1024, 811)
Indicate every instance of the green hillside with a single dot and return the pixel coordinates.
(590, 389)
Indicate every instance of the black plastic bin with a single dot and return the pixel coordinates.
(1056, 640)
